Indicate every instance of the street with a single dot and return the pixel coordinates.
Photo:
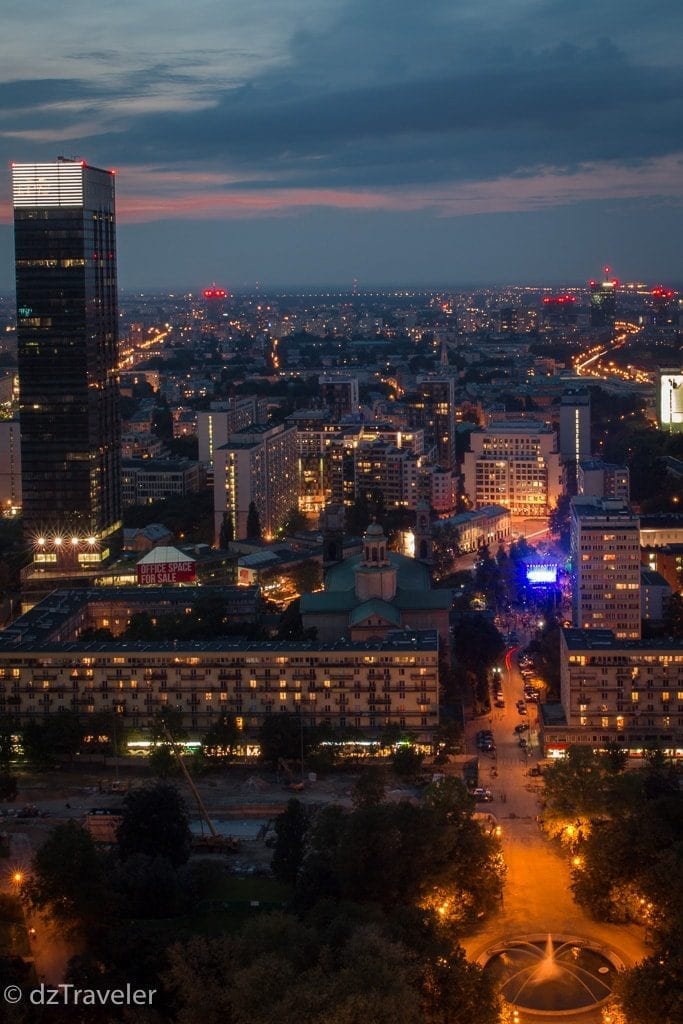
(537, 898)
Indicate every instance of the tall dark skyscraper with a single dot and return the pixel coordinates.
(603, 307)
(67, 324)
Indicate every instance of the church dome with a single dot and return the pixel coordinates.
(374, 530)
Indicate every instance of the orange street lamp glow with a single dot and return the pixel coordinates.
(18, 877)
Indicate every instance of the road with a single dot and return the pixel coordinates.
(50, 948)
(537, 898)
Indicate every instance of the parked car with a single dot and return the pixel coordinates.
(482, 795)
(523, 742)
(521, 709)
(522, 727)
(500, 703)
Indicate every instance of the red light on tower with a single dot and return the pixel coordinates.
(214, 293)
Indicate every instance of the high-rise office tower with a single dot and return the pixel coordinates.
(437, 395)
(65, 248)
(575, 426)
(603, 307)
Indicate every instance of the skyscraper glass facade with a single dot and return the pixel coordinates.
(67, 324)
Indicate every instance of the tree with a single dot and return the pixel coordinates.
(280, 736)
(57, 738)
(227, 531)
(167, 722)
(294, 521)
(8, 730)
(307, 576)
(369, 789)
(280, 969)
(560, 519)
(253, 523)
(162, 761)
(652, 991)
(290, 831)
(8, 787)
(406, 762)
(154, 823)
(162, 419)
(221, 738)
(150, 886)
(68, 877)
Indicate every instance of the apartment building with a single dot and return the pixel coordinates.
(515, 464)
(605, 551)
(626, 692)
(365, 684)
(257, 464)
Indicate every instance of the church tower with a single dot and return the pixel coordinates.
(332, 527)
(375, 575)
(423, 532)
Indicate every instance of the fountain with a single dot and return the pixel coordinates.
(552, 974)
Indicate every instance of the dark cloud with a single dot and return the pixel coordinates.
(561, 107)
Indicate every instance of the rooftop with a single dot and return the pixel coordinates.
(395, 642)
(605, 640)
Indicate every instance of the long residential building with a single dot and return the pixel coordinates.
(367, 684)
(624, 692)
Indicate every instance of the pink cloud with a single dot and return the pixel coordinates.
(149, 194)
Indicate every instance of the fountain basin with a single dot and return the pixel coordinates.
(552, 974)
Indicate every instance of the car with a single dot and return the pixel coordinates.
(521, 727)
(500, 703)
(521, 709)
(523, 742)
(482, 795)
(488, 747)
(484, 734)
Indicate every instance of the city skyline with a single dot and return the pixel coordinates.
(319, 143)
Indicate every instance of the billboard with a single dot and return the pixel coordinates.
(671, 400)
(246, 577)
(542, 574)
(157, 573)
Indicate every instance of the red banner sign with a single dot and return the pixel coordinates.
(156, 573)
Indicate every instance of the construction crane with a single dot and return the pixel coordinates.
(215, 841)
(292, 782)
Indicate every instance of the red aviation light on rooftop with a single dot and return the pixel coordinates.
(215, 293)
(660, 292)
(558, 300)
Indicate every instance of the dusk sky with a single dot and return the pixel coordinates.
(320, 141)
